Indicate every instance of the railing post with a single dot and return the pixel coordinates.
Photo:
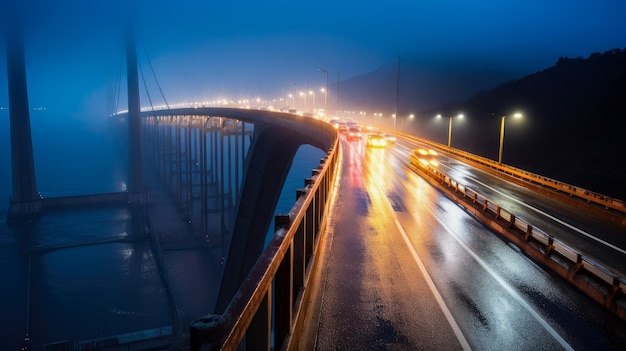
(206, 333)
(283, 289)
(258, 335)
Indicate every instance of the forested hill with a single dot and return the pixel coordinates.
(573, 126)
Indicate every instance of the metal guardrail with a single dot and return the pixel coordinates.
(268, 309)
(572, 190)
(605, 286)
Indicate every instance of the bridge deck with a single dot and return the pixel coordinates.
(370, 293)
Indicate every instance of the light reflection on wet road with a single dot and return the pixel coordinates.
(376, 297)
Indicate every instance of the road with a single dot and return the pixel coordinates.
(405, 268)
(595, 237)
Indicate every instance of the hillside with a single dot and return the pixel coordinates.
(422, 85)
(573, 127)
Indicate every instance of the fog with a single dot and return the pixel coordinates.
(203, 50)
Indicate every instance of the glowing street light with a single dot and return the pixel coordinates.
(411, 116)
(460, 116)
(311, 92)
(303, 94)
(516, 115)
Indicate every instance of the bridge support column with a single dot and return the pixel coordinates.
(269, 159)
(24, 201)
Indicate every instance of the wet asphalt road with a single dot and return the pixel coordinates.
(405, 268)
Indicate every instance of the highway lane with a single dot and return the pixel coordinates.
(595, 237)
(393, 232)
(374, 296)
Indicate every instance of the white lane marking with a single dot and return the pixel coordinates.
(590, 236)
(504, 284)
(455, 327)
(431, 285)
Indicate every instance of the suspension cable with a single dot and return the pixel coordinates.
(119, 85)
(143, 78)
(157, 82)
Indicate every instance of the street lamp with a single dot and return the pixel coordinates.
(311, 92)
(460, 116)
(411, 116)
(303, 94)
(325, 91)
(516, 115)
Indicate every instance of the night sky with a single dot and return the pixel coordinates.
(244, 49)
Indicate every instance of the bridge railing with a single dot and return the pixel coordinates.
(594, 279)
(268, 309)
(572, 190)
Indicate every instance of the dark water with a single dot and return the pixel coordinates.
(90, 291)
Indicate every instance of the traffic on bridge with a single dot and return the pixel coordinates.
(407, 268)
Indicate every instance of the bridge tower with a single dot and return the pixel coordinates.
(24, 200)
(135, 133)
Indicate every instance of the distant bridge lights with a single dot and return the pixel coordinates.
(460, 116)
(515, 115)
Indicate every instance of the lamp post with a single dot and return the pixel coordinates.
(460, 116)
(397, 95)
(295, 87)
(337, 96)
(311, 92)
(516, 115)
(411, 116)
(325, 91)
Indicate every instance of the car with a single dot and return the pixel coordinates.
(354, 133)
(376, 140)
(342, 128)
(335, 122)
(424, 158)
(390, 138)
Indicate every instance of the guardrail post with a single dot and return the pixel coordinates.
(206, 333)
(283, 289)
(258, 335)
(300, 193)
(550, 245)
(614, 288)
(281, 220)
(579, 263)
(529, 230)
(512, 222)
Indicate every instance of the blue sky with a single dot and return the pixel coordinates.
(202, 49)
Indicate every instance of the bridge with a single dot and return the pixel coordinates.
(377, 252)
